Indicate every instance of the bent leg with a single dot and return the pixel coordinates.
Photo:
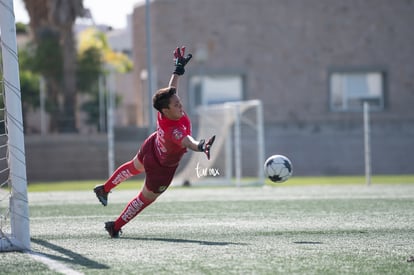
(124, 172)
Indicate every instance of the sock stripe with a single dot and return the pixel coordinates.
(133, 208)
(122, 173)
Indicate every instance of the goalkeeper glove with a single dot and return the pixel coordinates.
(205, 147)
(180, 61)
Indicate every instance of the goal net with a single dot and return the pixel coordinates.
(238, 152)
(14, 214)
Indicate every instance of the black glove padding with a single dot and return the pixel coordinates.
(180, 61)
(205, 147)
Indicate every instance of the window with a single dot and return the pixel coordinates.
(348, 90)
(210, 89)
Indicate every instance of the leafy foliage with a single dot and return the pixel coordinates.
(29, 81)
(92, 38)
(47, 57)
(96, 59)
(89, 69)
(21, 28)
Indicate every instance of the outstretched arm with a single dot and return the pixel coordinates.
(174, 81)
(188, 142)
(180, 60)
(198, 146)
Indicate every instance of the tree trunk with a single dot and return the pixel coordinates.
(53, 104)
(60, 14)
(63, 13)
(68, 123)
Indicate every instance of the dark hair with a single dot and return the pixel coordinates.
(161, 99)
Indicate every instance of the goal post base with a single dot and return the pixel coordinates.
(9, 244)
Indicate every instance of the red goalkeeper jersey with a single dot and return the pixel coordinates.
(170, 133)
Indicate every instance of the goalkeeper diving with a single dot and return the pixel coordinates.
(160, 153)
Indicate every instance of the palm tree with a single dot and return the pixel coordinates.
(63, 14)
(38, 13)
(58, 16)
(44, 39)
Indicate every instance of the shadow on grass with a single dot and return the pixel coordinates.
(184, 241)
(68, 255)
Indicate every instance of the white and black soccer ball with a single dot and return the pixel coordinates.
(278, 168)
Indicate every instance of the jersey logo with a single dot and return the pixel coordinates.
(177, 134)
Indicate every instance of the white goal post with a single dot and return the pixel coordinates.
(237, 155)
(14, 210)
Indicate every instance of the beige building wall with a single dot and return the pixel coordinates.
(286, 49)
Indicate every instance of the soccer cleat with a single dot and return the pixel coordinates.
(101, 194)
(110, 227)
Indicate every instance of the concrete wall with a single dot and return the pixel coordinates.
(318, 150)
(73, 157)
(339, 149)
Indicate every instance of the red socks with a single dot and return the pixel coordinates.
(137, 204)
(124, 172)
(134, 207)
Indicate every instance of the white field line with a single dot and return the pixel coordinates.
(52, 264)
(231, 194)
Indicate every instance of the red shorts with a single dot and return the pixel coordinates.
(158, 177)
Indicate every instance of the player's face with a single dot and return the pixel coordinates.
(175, 108)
